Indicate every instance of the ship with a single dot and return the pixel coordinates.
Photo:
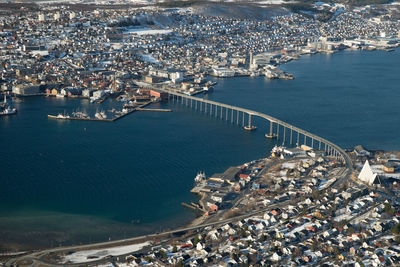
(199, 177)
(100, 115)
(59, 116)
(208, 88)
(5, 109)
(80, 115)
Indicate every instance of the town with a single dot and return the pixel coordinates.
(296, 206)
(63, 52)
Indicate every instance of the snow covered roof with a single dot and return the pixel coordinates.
(366, 174)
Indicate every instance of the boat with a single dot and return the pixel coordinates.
(199, 177)
(208, 88)
(103, 114)
(80, 115)
(60, 95)
(6, 109)
(59, 116)
(100, 115)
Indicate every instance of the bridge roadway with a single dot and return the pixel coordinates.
(343, 176)
(331, 148)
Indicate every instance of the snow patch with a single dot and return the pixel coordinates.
(92, 255)
(146, 31)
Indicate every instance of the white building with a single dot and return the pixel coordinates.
(41, 17)
(366, 175)
(223, 72)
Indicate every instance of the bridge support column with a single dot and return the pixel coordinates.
(237, 117)
(284, 134)
(271, 128)
(312, 142)
(232, 116)
(226, 113)
(277, 131)
(222, 108)
(305, 139)
(319, 145)
(298, 139)
(201, 106)
(205, 107)
(249, 121)
(291, 136)
(242, 118)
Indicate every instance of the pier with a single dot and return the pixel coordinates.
(154, 109)
(123, 114)
(277, 129)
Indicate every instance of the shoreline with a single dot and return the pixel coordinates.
(329, 150)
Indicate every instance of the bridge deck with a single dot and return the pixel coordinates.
(271, 119)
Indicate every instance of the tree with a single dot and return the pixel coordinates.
(350, 230)
(396, 229)
(389, 209)
(180, 263)
(196, 240)
(163, 254)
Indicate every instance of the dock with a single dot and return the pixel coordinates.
(138, 108)
(78, 119)
(154, 109)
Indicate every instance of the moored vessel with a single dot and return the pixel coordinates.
(199, 177)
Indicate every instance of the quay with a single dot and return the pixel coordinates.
(129, 111)
(78, 119)
(154, 109)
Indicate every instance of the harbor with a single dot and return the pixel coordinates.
(281, 99)
(101, 116)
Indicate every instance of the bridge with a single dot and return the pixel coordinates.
(277, 129)
(241, 116)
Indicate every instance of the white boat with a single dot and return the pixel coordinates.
(62, 116)
(59, 116)
(60, 95)
(199, 177)
(6, 109)
(208, 88)
(100, 115)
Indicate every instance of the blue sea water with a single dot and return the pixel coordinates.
(69, 182)
(350, 97)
